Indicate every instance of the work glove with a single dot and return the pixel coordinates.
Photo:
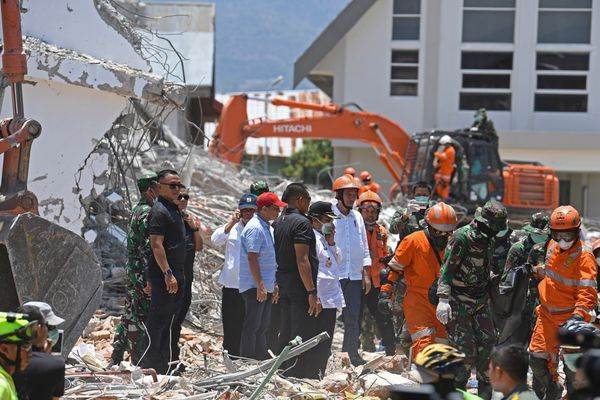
(443, 311)
(413, 207)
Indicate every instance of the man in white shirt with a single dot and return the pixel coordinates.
(232, 304)
(351, 238)
(329, 289)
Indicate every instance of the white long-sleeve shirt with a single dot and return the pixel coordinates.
(329, 289)
(230, 274)
(351, 238)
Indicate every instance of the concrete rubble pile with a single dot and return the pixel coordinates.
(215, 188)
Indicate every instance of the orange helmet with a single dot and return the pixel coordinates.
(344, 182)
(441, 217)
(369, 195)
(565, 218)
(365, 176)
(350, 171)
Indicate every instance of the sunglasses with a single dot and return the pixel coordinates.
(185, 197)
(173, 186)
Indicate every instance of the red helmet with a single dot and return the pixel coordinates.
(365, 176)
(350, 171)
(344, 182)
(369, 196)
(441, 217)
(565, 218)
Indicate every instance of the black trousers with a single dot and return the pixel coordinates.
(43, 379)
(253, 343)
(232, 316)
(185, 303)
(325, 323)
(295, 321)
(385, 325)
(164, 308)
(273, 332)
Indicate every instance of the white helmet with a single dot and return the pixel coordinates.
(446, 139)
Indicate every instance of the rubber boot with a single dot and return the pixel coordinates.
(543, 385)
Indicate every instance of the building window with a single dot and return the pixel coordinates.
(488, 21)
(404, 73)
(564, 21)
(486, 80)
(562, 82)
(406, 20)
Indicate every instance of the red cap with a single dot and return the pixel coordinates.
(269, 199)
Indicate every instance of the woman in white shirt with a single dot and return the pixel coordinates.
(329, 290)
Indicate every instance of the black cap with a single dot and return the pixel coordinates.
(319, 208)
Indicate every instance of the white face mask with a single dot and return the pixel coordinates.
(564, 245)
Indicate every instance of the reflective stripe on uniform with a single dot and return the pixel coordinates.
(558, 310)
(570, 282)
(422, 333)
(442, 340)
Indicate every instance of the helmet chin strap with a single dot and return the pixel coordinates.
(340, 197)
(13, 363)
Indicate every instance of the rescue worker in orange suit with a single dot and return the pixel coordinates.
(367, 183)
(369, 204)
(567, 290)
(444, 166)
(419, 258)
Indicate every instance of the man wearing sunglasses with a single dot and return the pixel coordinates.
(568, 291)
(165, 270)
(16, 335)
(369, 205)
(418, 260)
(44, 378)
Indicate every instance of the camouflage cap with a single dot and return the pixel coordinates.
(538, 224)
(493, 214)
(259, 187)
(145, 181)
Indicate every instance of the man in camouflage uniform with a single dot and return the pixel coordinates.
(463, 291)
(130, 333)
(407, 220)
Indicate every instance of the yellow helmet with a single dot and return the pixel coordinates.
(15, 328)
(440, 358)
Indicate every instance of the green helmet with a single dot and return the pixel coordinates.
(538, 224)
(259, 187)
(493, 214)
(15, 328)
(145, 181)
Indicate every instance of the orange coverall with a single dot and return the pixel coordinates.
(421, 268)
(377, 240)
(445, 169)
(568, 287)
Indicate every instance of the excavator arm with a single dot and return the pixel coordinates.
(388, 139)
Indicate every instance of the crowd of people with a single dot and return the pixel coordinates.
(454, 299)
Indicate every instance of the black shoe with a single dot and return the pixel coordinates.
(179, 370)
(357, 360)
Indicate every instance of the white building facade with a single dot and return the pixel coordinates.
(427, 64)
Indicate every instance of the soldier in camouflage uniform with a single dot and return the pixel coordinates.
(463, 291)
(407, 220)
(130, 333)
(519, 255)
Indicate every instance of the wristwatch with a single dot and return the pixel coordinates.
(195, 229)
(314, 291)
(168, 272)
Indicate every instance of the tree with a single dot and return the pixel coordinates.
(307, 162)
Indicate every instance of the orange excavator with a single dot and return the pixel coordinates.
(39, 260)
(479, 173)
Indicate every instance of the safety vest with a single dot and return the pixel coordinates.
(377, 240)
(7, 386)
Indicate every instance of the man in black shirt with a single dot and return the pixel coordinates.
(165, 271)
(297, 268)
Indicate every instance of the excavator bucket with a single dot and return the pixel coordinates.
(42, 261)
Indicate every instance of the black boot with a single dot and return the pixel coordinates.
(356, 360)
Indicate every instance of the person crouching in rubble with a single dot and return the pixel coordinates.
(257, 276)
(232, 304)
(329, 290)
(16, 335)
(369, 204)
(165, 270)
(193, 244)
(130, 334)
